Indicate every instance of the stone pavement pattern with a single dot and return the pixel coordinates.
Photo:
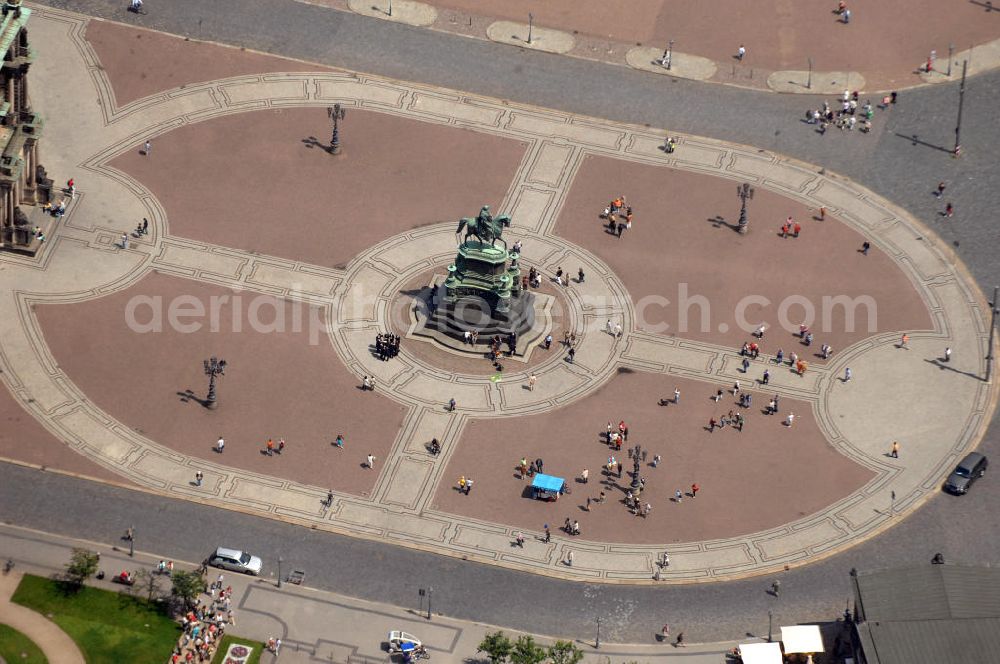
(58, 647)
(535, 198)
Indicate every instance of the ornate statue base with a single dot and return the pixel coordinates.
(443, 321)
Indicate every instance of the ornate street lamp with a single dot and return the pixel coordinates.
(744, 192)
(336, 113)
(636, 485)
(213, 367)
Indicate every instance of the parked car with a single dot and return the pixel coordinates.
(970, 469)
(237, 561)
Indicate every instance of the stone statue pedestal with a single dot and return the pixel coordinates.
(480, 271)
(437, 319)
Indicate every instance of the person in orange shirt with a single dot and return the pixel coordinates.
(270, 447)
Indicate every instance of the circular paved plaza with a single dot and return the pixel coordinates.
(287, 261)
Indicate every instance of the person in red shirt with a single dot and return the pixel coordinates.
(694, 490)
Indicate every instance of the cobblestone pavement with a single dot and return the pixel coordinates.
(885, 45)
(83, 262)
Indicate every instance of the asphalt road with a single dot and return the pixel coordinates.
(889, 161)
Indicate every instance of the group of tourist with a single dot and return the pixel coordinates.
(387, 346)
(848, 114)
(532, 279)
(204, 625)
(618, 215)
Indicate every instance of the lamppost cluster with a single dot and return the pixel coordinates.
(744, 192)
(213, 367)
(336, 114)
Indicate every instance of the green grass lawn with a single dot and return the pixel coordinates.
(16, 647)
(227, 640)
(109, 627)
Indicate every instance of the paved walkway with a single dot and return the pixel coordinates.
(55, 643)
(82, 262)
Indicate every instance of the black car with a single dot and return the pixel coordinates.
(970, 469)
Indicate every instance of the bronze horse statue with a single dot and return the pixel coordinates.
(484, 227)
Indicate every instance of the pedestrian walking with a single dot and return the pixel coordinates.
(571, 355)
(569, 559)
(124, 240)
(949, 210)
(895, 450)
(746, 364)
(548, 534)
(947, 354)
(677, 396)
(865, 246)
(694, 489)
(370, 461)
(269, 448)
(679, 642)
(848, 374)
(519, 539)
(532, 379)
(665, 631)
(220, 445)
(198, 477)
(822, 212)
(904, 341)
(790, 420)
(940, 189)
(741, 53)
(329, 498)
(656, 460)
(766, 378)
(678, 496)
(580, 275)
(585, 475)
(736, 388)
(718, 396)
(145, 226)
(775, 587)
(665, 560)
(452, 404)
(147, 148)
(339, 442)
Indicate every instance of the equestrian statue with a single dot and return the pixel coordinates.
(485, 227)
